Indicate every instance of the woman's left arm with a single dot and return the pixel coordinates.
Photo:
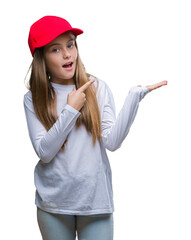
(114, 130)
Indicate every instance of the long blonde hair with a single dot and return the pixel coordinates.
(44, 97)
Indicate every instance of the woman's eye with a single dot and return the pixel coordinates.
(55, 50)
(70, 46)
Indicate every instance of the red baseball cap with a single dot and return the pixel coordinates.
(46, 29)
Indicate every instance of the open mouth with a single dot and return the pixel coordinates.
(68, 65)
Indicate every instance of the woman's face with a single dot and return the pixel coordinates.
(60, 57)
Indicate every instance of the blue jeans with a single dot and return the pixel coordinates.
(67, 227)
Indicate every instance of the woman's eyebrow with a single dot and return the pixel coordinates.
(71, 39)
(54, 44)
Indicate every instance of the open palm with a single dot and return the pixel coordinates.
(156, 85)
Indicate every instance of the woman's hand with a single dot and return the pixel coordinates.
(155, 86)
(77, 98)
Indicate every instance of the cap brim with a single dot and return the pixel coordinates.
(76, 31)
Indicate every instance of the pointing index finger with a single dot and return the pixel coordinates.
(86, 85)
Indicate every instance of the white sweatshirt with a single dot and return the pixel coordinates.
(78, 180)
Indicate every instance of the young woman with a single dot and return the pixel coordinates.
(71, 121)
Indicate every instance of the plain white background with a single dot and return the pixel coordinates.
(125, 43)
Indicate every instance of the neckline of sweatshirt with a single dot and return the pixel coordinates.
(62, 86)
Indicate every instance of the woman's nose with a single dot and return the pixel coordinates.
(66, 53)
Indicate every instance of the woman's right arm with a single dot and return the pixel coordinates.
(48, 143)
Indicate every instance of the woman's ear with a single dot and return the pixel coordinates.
(48, 75)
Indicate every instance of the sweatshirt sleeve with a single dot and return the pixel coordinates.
(47, 143)
(114, 130)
